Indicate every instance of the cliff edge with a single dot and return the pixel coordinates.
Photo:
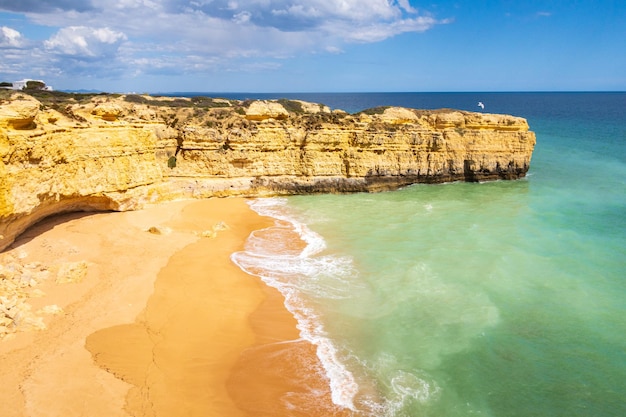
(63, 152)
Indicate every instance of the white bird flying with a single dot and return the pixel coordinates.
(481, 105)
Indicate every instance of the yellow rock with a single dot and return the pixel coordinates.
(312, 108)
(263, 110)
(71, 272)
(399, 115)
(19, 112)
(115, 153)
(107, 111)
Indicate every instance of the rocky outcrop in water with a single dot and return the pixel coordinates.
(62, 152)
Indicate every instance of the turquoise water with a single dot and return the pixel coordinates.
(494, 299)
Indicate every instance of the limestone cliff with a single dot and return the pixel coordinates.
(111, 152)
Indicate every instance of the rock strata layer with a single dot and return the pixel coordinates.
(62, 153)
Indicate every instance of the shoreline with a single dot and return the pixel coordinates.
(145, 333)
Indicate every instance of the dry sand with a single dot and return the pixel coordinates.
(161, 325)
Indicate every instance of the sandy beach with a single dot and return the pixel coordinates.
(160, 322)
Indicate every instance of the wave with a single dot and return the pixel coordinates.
(290, 257)
(279, 258)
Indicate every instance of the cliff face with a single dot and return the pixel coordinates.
(109, 152)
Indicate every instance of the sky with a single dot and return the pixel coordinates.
(315, 45)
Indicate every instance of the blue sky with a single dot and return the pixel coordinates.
(315, 45)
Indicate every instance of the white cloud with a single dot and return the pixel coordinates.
(10, 38)
(43, 6)
(351, 10)
(85, 42)
(135, 4)
(404, 4)
(334, 50)
(299, 11)
(148, 17)
(242, 17)
(376, 32)
(207, 35)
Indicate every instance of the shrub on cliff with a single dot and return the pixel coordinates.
(35, 85)
(5, 94)
(374, 110)
(49, 98)
(135, 98)
(291, 106)
(207, 102)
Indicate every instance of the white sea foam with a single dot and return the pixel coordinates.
(275, 207)
(297, 277)
(396, 390)
(407, 385)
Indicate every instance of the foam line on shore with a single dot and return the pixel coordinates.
(275, 267)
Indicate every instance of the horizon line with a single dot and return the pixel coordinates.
(344, 92)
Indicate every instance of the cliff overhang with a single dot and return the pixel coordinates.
(64, 152)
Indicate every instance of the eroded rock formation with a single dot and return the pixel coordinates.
(108, 152)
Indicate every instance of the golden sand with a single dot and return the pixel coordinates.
(163, 324)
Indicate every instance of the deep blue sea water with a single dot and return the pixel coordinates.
(496, 299)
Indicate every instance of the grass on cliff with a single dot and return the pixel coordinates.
(5, 94)
(193, 102)
(374, 110)
(218, 108)
(56, 100)
(50, 98)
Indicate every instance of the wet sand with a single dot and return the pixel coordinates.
(163, 324)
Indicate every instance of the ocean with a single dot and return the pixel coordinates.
(495, 299)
